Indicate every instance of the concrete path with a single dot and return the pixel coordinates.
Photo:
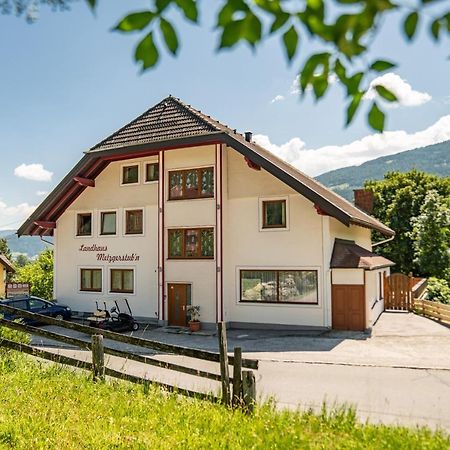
(399, 374)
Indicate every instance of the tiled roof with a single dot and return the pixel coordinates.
(169, 119)
(348, 255)
(172, 123)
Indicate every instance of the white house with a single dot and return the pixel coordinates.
(176, 208)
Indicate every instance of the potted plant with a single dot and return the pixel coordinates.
(194, 322)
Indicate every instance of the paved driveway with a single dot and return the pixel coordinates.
(400, 374)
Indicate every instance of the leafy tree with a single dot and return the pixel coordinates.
(39, 274)
(431, 236)
(397, 199)
(343, 31)
(438, 290)
(21, 260)
(4, 249)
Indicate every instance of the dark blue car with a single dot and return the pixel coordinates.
(35, 305)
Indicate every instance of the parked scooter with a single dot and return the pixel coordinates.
(117, 318)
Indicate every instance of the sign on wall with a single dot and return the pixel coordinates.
(17, 289)
(101, 254)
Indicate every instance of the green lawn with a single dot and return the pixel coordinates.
(47, 406)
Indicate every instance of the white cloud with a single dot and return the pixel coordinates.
(35, 172)
(12, 216)
(405, 94)
(41, 193)
(323, 159)
(277, 98)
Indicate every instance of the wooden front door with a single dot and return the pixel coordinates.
(177, 304)
(348, 307)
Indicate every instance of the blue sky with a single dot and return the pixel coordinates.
(66, 82)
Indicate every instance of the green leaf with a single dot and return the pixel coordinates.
(169, 34)
(386, 93)
(252, 29)
(410, 24)
(352, 84)
(309, 69)
(290, 39)
(231, 34)
(135, 21)
(435, 28)
(92, 3)
(376, 118)
(279, 21)
(146, 52)
(381, 65)
(161, 5)
(353, 107)
(340, 71)
(189, 8)
(320, 85)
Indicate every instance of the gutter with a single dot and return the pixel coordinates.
(383, 242)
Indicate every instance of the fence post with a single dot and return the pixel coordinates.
(224, 369)
(249, 390)
(237, 376)
(98, 358)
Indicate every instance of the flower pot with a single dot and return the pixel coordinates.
(194, 326)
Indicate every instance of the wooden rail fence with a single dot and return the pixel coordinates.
(434, 310)
(243, 392)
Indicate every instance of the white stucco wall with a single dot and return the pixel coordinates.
(374, 295)
(108, 194)
(201, 274)
(246, 246)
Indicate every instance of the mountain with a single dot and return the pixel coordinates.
(433, 159)
(31, 246)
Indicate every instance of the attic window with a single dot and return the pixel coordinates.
(274, 214)
(191, 183)
(151, 172)
(130, 174)
(84, 224)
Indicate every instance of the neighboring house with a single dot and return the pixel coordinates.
(176, 208)
(6, 268)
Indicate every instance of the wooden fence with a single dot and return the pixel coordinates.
(238, 390)
(434, 310)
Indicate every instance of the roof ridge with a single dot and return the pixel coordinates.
(128, 124)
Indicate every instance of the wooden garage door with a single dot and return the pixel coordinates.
(348, 311)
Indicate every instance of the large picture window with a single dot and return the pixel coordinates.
(134, 221)
(191, 243)
(84, 224)
(191, 183)
(91, 280)
(122, 281)
(279, 286)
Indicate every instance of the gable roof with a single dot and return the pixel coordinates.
(349, 255)
(170, 124)
(6, 263)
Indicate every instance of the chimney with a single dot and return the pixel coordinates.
(248, 136)
(364, 200)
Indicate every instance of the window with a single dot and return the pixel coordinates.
(91, 280)
(192, 183)
(84, 224)
(122, 281)
(130, 174)
(37, 304)
(19, 304)
(381, 285)
(134, 221)
(108, 223)
(151, 172)
(274, 213)
(279, 286)
(191, 243)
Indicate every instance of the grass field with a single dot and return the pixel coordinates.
(45, 406)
